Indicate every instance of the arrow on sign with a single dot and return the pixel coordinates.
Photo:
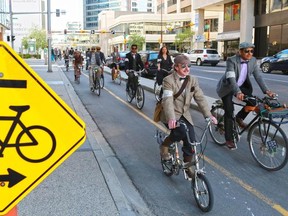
(13, 177)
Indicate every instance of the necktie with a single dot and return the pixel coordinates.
(182, 78)
(244, 62)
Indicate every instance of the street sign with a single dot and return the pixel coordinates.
(38, 130)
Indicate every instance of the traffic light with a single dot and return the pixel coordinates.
(92, 32)
(13, 38)
(112, 32)
(57, 12)
(65, 31)
(8, 38)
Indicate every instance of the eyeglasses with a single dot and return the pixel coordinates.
(183, 66)
(249, 51)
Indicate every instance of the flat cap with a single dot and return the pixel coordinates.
(245, 45)
(181, 59)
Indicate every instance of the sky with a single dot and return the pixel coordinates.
(74, 12)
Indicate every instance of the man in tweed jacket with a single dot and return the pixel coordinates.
(179, 108)
(236, 82)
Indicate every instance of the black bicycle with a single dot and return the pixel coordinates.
(34, 143)
(267, 141)
(96, 86)
(201, 187)
(135, 89)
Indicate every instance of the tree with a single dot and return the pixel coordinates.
(182, 38)
(136, 39)
(39, 35)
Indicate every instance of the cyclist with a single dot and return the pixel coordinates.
(236, 82)
(96, 58)
(115, 61)
(132, 62)
(178, 108)
(164, 61)
(77, 60)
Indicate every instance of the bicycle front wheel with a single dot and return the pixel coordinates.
(140, 97)
(268, 145)
(118, 78)
(102, 81)
(35, 144)
(202, 191)
(157, 90)
(97, 86)
(217, 132)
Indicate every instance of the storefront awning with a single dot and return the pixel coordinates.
(231, 35)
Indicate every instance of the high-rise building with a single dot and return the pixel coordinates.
(92, 8)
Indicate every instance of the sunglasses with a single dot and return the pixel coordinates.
(134, 48)
(183, 66)
(249, 51)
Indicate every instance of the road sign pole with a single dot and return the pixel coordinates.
(12, 212)
(49, 37)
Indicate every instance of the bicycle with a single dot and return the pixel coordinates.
(116, 76)
(38, 138)
(201, 187)
(135, 89)
(158, 88)
(102, 77)
(267, 141)
(96, 86)
(77, 73)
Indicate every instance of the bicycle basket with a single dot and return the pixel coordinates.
(276, 115)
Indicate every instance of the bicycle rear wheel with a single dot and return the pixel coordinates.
(140, 97)
(202, 191)
(268, 145)
(217, 132)
(97, 86)
(157, 90)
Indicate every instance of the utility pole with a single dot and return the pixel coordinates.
(11, 24)
(49, 35)
(161, 37)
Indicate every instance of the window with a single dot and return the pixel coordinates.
(275, 5)
(232, 12)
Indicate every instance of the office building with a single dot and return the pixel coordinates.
(4, 18)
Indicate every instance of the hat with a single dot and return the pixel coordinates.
(181, 59)
(245, 45)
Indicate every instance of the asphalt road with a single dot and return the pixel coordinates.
(240, 186)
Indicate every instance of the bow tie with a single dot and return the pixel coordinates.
(244, 62)
(182, 78)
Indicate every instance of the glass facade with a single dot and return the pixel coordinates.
(232, 11)
(270, 6)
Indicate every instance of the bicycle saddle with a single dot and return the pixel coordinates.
(20, 108)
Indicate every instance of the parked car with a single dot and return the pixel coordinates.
(278, 61)
(203, 56)
(149, 59)
(122, 59)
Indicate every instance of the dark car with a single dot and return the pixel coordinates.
(149, 59)
(122, 59)
(278, 61)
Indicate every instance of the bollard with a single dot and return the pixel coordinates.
(12, 212)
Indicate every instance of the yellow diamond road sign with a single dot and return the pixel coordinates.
(38, 131)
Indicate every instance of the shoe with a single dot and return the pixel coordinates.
(240, 122)
(189, 169)
(164, 153)
(231, 145)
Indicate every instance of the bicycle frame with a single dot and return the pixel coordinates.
(16, 121)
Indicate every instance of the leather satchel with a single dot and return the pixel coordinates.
(159, 107)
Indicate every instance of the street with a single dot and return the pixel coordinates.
(239, 185)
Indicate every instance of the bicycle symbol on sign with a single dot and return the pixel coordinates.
(40, 140)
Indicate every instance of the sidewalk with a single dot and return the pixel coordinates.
(92, 181)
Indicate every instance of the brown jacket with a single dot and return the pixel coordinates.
(174, 109)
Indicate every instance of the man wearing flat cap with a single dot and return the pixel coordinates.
(179, 88)
(236, 82)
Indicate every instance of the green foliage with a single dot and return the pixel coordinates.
(39, 35)
(28, 56)
(136, 39)
(185, 36)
